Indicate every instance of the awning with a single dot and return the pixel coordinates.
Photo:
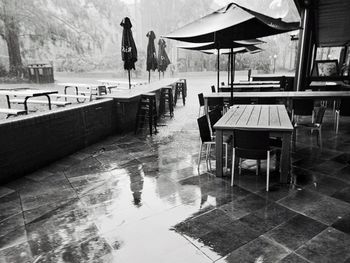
(331, 21)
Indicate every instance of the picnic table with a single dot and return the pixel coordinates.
(27, 94)
(80, 94)
(271, 118)
(118, 83)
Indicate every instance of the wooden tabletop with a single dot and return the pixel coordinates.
(27, 92)
(122, 82)
(281, 94)
(256, 82)
(251, 86)
(256, 117)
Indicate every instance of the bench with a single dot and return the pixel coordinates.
(53, 102)
(84, 97)
(12, 112)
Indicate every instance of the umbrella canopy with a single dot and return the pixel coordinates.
(129, 51)
(151, 52)
(163, 59)
(226, 45)
(207, 48)
(232, 22)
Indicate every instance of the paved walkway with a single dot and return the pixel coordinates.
(140, 199)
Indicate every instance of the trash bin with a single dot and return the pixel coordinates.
(41, 73)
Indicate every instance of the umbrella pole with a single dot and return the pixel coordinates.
(163, 74)
(159, 74)
(218, 70)
(234, 66)
(129, 79)
(228, 69)
(232, 77)
(149, 76)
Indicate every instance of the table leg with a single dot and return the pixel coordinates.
(285, 157)
(8, 101)
(49, 100)
(25, 104)
(218, 155)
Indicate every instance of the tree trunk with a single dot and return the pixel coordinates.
(13, 47)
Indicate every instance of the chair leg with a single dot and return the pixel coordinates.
(320, 137)
(226, 155)
(239, 166)
(233, 166)
(337, 116)
(206, 156)
(258, 165)
(200, 155)
(209, 151)
(268, 171)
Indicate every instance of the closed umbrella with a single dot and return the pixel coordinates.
(163, 59)
(129, 51)
(151, 62)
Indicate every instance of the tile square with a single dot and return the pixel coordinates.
(295, 232)
(331, 245)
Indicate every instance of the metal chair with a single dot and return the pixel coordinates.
(206, 139)
(201, 103)
(342, 109)
(315, 125)
(302, 107)
(251, 145)
(214, 115)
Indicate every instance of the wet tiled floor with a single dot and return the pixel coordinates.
(141, 199)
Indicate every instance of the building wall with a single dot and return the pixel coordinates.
(30, 142)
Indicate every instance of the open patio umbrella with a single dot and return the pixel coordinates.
(213, 47)
(230, 23)
(129, 51)
(227, 51)
(151, 62)
(163, 59)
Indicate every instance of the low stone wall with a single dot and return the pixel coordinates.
(30, 142)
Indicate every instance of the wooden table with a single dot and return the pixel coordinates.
(27, 94)
(250, 86)
(272, 118)
(329, 85)
(256, 82)
(287, 95)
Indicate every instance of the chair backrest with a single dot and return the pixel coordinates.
(251, 144)
(214, 116)
(319, 115)
(204, 129)
(213, 89)
(215, 102)
(241, 101)
(303, 107)
(344, 108)
(267, 100)
(201, 99)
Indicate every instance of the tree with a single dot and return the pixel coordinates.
(36, 27)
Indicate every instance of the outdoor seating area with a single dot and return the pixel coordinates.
(240, 152)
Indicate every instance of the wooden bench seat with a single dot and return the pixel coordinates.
(13, 112)
(53, 102)
(85, 97)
